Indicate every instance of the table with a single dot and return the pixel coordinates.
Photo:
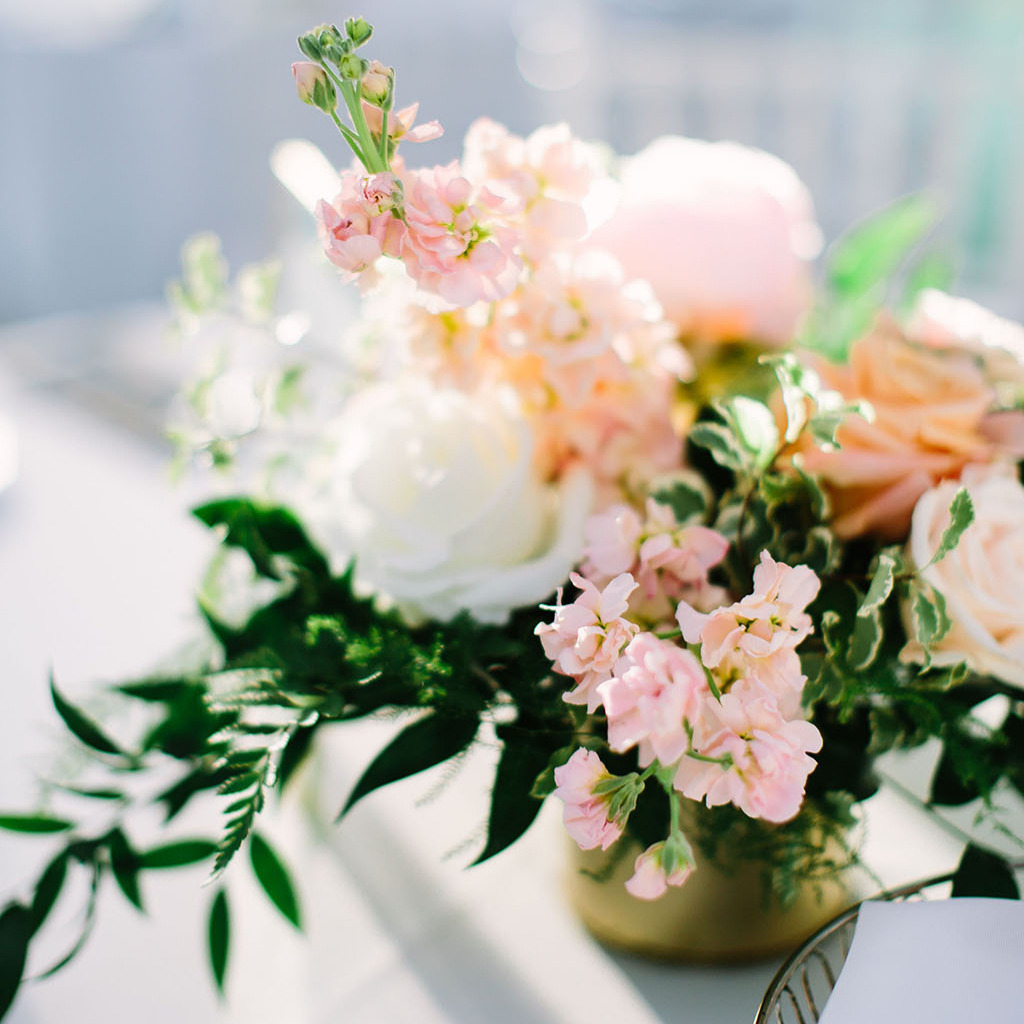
(98, 559)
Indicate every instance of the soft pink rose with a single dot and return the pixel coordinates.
(982, 578)
(931, 418)
(723, 233)
(585, 815)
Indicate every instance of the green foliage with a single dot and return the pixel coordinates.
(273, 876)
(420, 745)
(218, 937)
(81, 725)
(859, 271)
(34, 823)
(16, 928)
(961, 515)
(983, 873)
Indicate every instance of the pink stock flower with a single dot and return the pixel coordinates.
(376, 82)
(650, 880)
(355, 233)
(769, 620)
(380, 192)
(583, 324)
(307, 76)
(587, 637)
(761, 760)
(586, 814)
(612, 538)
(401, 124)
(451, 248)
(542, 179)
(656, 688)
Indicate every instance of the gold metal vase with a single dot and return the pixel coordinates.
(716, 917)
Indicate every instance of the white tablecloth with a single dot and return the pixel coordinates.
(98, 560)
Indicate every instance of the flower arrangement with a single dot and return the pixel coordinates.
(597, 476)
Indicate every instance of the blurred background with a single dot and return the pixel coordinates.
(127, 125)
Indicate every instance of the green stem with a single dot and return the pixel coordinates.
(673, 810)
(725, 760)
(349, 136)
(372, 159)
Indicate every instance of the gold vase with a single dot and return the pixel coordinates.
(716, 917)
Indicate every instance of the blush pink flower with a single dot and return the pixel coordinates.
(380, 192)
(584, 325)
(542, 179)
(587, 637)
(759, 760)
(932, 416)
(456, 246)
(771, 619)
(355, 234)
(586, 814)
(650, 880)
(612, 538)
(401, 124)
(723, 232)
(656, 689)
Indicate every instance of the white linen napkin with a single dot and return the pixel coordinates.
(939, 961)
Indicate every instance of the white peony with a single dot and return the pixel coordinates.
(982, 578)
(434, 494)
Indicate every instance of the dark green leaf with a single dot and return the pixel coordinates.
(81, 725)
(544, 785)
(865, 640)
(983, 873)
(239, 783)
(948, 789)
(124, 863)
(15, 934)
(177, 854)
(218, 938)
(48, 888)
(513, 806)
(160, 691)
(274, 877)
(724, 447)
(887, 564)
(685, 493)
(263, 532)
(426, 742)
(92, 794)
(36, 823)
(294, 753)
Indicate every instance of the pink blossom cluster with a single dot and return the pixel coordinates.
(586, 813)
(720, 715)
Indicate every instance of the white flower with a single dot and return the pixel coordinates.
(434, 494)
(982, 578)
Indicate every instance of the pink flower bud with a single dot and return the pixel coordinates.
(313, 85)
(377, 83)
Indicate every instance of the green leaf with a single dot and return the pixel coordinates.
(798, 383)
(274, 878)
(263, 532)
(81, 725)
(685, 493)
(544, 785)
(15, 933)
(724, 447)
(931, 620)
(239, 783)
(161, 691)
(983, 873)
(177, 854)
(34, 823)
(48, 888)
(961, 515)
(934, 270)
(124, 863)
(865, 641)
(525, 756)
(295, 752)
(218, 938)
(428, 741)
(754, 426)
(870, 253)
(887, 564)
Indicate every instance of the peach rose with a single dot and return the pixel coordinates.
(722, 232)
(982, 578)
(933, 415)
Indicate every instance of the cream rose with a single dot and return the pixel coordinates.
(434, 495)
(982, 578)
(724, 234)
